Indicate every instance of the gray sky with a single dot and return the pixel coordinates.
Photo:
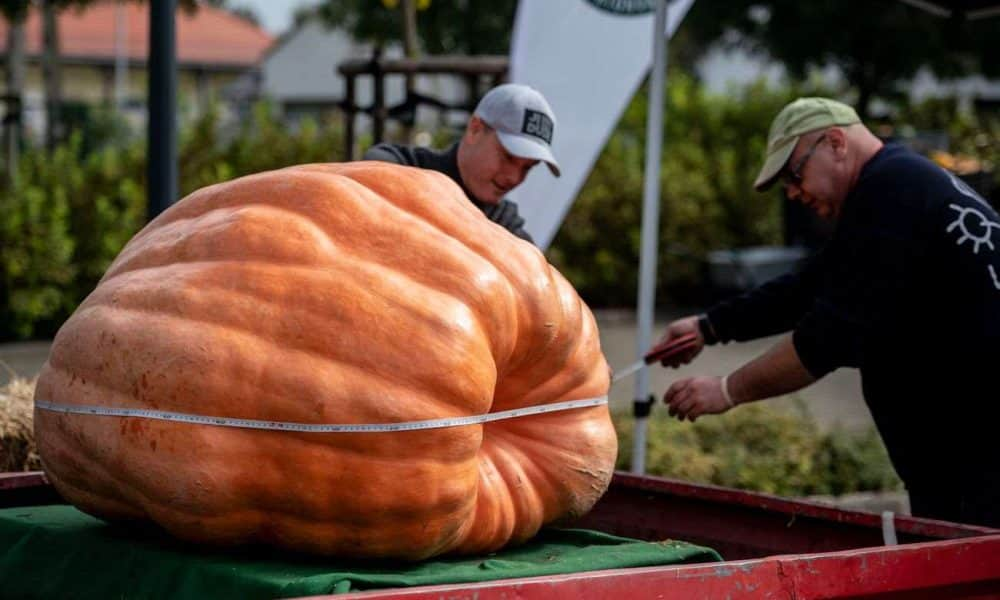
(275, 15)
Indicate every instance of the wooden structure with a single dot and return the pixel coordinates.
(470, 68)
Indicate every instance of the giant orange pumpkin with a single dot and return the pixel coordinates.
(339, 293)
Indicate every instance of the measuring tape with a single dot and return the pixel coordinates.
(162, 415)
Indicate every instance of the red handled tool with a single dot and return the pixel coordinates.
(659, 353)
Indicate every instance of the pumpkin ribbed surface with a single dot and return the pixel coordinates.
(336, 293)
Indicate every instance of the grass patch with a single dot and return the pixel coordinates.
(761, 448)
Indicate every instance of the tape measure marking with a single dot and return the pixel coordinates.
(162, 415)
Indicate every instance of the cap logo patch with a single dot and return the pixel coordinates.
(537, 124)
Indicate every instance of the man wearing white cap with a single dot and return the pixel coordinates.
(509, 133)
(907, 290)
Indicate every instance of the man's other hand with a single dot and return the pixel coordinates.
(695, 396)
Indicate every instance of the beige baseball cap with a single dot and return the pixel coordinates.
(796, 119)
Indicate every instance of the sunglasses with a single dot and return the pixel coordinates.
(794, 174)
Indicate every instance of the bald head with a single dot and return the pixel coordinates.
(824, 166)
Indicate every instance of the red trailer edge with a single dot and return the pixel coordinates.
(775, 548)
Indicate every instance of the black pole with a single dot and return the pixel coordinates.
(378, 109)
(350, 109)
(162, 129)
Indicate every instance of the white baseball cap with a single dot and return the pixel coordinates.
(523, 120)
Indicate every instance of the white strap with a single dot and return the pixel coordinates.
(725, 391)
(889, 528)
(162, 415)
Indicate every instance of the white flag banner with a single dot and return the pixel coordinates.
(588, 57)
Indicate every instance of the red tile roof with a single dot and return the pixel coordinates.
(208, 36)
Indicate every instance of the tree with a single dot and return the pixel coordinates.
(52, 66)
(51, 62)
(51, 71)
(877, 44)
(15, 12)
(444, 26)
(246, 13)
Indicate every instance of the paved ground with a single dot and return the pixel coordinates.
(25, 359)
(834, 400)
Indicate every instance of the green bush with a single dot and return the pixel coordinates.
(65, 215)
(711, 154)
(263, 142)
(760, 448)
(974, 135)
(36, 247)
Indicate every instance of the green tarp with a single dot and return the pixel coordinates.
(60, 552)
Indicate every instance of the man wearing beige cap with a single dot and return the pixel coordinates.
(508, 134)
(907, 290)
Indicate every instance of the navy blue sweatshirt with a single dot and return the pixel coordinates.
(503, 213)
(907, 291)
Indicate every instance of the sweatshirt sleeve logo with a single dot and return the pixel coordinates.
(974, 224)
(974, 227)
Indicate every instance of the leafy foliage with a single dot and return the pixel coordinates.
(14, 10)
(263, 142)
(444, 27)
(760, 448)
(36, 261)
(970, 134)
(711, 154)
(875, 44)
(65, 216)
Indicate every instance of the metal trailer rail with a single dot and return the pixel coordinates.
(776, 548)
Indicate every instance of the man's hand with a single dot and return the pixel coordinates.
(695, 396)
(776, 372)
(675, 330)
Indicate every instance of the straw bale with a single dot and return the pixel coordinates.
(17, 436)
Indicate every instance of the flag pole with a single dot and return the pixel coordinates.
(650, 233)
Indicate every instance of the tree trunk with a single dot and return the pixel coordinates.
(51, 74)
(410, 28)
(411, 49)
(121, 57)
(15, 89)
